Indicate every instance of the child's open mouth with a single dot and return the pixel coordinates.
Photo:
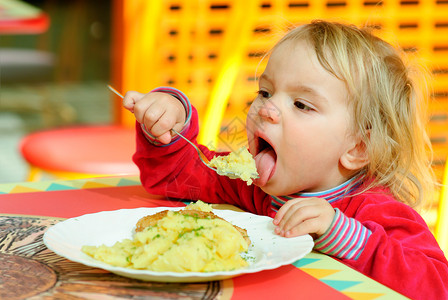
(265, 159)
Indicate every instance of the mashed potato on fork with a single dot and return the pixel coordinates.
(241, 163)
(190, 240)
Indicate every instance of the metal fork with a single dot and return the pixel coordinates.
(202, 156)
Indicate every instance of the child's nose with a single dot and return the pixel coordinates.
(269, 112)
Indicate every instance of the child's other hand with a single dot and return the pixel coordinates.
(304, 216)
(159, 112)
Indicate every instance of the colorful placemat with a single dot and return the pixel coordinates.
(344, 279)
(61, 185)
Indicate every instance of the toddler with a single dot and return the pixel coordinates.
(339, 142)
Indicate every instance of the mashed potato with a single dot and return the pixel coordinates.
(179, 243)
(241, 163)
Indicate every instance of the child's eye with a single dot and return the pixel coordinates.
(302, 106)
(264, 94)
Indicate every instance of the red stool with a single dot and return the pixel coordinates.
(80, 152)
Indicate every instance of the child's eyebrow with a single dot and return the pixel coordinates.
(300, 87)
(264, 77)
(309, 90)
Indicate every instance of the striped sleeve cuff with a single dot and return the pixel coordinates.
(187, 105)
(346, 238)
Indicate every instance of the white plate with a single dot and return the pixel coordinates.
(268, 250)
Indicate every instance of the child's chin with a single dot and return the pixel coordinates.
(268, 189)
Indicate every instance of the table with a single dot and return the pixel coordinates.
(19, 17)
(29, 269)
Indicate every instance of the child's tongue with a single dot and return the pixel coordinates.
(265, 162)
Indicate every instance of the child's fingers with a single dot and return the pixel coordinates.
(284, 214)
(130, 98)
(165, 138)
(151, 113)
(161, 128)
(158, 112)
(160, 119)
(148, 108)
(283, 210)
(295, 216)
(307, 226)
(302, 216)
(288, 210)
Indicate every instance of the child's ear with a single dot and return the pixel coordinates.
(355, 157)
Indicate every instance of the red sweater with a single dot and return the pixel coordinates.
(394, 245)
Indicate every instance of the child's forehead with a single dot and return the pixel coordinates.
(301, 53)
(323, 56)
(293, 44)
(288, 51)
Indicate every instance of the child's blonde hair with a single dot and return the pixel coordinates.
(388, 107)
